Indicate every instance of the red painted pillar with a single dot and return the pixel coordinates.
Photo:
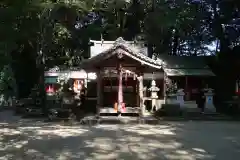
(120, 88)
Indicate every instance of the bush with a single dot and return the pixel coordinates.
(231, 109)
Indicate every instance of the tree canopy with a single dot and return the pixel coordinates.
(57, 32)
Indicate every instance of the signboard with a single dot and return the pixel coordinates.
(51, 80)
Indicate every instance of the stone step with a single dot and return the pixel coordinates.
(119, 120)
(202, 117)
(118, 114)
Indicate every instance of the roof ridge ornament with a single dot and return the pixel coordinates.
(119, 41)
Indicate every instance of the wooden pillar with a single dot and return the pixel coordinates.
(86, 81)
(136, 93)
(140, 89)
(164, 85)
(99, 91)
(237, 86)
(186, 88)
(120, 88)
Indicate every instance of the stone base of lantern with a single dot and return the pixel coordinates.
(147, 114)
(209, 106)
(171, 99)
(210, 109)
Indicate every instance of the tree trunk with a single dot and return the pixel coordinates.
(219, 30)
(42, 90)
(150, 50)
(175, 43)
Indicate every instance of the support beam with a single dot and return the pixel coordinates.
(164, 86)
(187, 94)
(99, 91)
(120, 88)
(237, 86)
(140, 89)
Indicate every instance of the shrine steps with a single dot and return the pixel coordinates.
(109, 114)
(119, 114)
(109, 111)
(119, 120)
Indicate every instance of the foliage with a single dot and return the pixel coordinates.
(65, 88)
(57, 32)
(7, 82)
(171, 87)
(183, 27)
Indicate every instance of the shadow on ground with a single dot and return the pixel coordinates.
(35, 139)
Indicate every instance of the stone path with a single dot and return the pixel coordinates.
(37, 140)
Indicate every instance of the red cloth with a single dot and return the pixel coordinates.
(123, 107)
(50, 89)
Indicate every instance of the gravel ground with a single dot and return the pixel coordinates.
(37, 140)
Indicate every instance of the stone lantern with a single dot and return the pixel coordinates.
(209, 106)
(154, 90)
(180, 96)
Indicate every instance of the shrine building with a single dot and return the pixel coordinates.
(126, 78)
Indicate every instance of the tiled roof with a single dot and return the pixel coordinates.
(172, 65)
(188, 72)
(101, 46)
(130, 50)
(190, 62)
(185, 66)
